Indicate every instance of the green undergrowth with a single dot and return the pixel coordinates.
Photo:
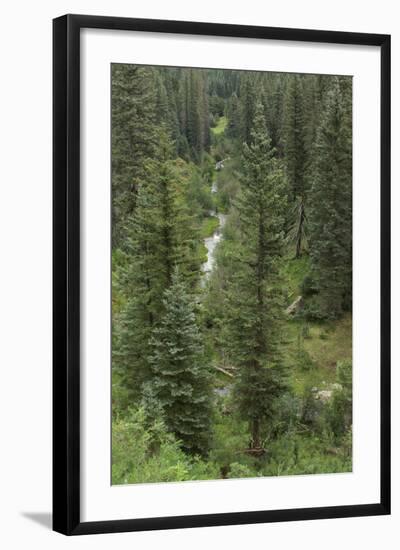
(220, 127)
(312, 348)
(209, 226)
(293, 272)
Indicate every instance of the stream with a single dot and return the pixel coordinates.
(207, 267)
(211, 242)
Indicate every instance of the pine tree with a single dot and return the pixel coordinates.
(160, 235)
(254, 300)
(297, 233)
(194, 126)
(134, 138)
(162, 104)
(273, 107)
(142, 280)
(312, 106)
(331, 202)
(247, 105)
(169, 79)
(300, 117)
(193, 113)
(180, 381)
(294, 139)
(205, 113)
(233, 115)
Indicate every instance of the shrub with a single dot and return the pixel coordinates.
(305, 331)
(312, 408)
(237, 470)
(304, 454)
(304, 361)
(312, 309)
(144, 452)
(339, 413)
(308, 286)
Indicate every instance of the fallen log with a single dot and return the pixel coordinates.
(295, 306)
(224, 371)
(255, 451)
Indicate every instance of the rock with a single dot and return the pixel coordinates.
(324, 395)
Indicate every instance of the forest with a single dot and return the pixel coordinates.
(231, 274)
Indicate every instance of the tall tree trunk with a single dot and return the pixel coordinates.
(300, 228)
(255, 434)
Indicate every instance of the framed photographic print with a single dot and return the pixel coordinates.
(221, 274)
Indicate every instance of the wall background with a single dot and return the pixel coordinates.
(25, 273)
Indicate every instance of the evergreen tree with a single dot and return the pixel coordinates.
(175, 225)
(166, 108)
(312, 106)
(331, 203)
(301, 114)
(205, 113)
(247, 105)
(233, 115)
(160, 235)
(273, 107)
(142, 280)
(297, 233)
(162, 104)
(294, 140)
(193, 112)
(254, 296)
(180, 381)
(183, 100)
(194, 125)
(223, 82)
(134, 138)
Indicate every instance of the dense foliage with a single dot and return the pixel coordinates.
(254, 295)
(243, 370)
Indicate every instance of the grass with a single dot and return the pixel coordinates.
(202, 252)
(322, 353)
(220, 127)
(294, 271)
(336, 344)
(313, 352)
(311, 349)
(208, 226)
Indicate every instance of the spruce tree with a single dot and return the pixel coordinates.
(205, 113)
(299, 133)
(180, 380)
(294, 139)
(194, 128)
(247, 105)
(160, 235)
(331, 202)
(134, 138)
(254, 300)
(233, 115)
(193, 112)
(273, 107)
(298, 231)
(142, 280)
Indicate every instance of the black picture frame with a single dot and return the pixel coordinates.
(66, 273)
